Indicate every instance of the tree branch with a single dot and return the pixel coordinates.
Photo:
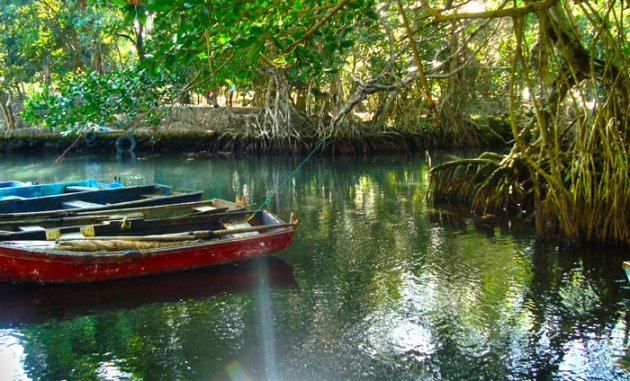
(366, 88)
(123, 35)
(439, 16)
(317, 26)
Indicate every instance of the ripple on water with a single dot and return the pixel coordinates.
(11, 353)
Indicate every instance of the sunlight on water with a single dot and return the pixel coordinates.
(111, 371)
(11, 353)
(262, 299)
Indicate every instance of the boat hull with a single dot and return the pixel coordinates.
(18, 264)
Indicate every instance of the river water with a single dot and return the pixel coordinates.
(378, 285)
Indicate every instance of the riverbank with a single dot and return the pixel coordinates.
(164, 141)
(211, 130)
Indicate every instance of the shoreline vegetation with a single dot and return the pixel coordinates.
(225, 131)
(34, 140)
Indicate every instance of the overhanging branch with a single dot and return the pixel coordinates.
(439, 16)
(367, 88)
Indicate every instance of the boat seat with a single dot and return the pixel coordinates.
(30, 228)
(203, 209)
(72, 235)
(75, 204)
(239, 225)
(78, 188)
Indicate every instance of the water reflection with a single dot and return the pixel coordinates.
(27, 304)
(387, 288)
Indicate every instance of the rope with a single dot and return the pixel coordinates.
(59, 158)
(290, 176)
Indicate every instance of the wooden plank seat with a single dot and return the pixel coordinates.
(203, 209)
(30, 228)
(75, 204)
(239, 225)
(78, 188)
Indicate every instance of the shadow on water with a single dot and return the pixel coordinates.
(24, 304)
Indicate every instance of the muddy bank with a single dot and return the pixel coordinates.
(199, 141)
(199, 130)
(214, 130)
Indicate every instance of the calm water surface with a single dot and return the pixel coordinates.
(377, 286)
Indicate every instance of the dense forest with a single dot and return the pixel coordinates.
(547, 78)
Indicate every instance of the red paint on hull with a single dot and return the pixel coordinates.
(41, 266)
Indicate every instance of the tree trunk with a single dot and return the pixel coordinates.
(7, 112)
(140, 42)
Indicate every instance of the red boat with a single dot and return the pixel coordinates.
(104, 252)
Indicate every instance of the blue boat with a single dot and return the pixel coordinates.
(98, 199)
(626, 268)
(18, 190)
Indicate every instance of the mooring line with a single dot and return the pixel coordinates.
(289, 176)
(59, 159)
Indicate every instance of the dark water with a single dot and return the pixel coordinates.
(377, 286)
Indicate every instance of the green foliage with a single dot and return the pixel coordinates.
(121, 99)
(21, 46)
(42, 41)
(234, 40)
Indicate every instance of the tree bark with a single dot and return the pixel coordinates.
(7, 112)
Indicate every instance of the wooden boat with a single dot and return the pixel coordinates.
(626, 268)
(33, 303)
(103, 252)
(24, 190)
(10, 228)
(105, 199)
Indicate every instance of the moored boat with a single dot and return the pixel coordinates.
(152, 247)
(10, 228)
(626, 268)
(19, 190)
(93, 200)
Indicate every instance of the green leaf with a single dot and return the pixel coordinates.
(142, 15)
(158, 6)
(347, 43)
(254, 52)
